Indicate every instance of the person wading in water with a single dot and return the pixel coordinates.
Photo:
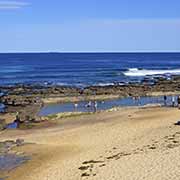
(165, 99)
(95, 106)
(178, 100)
(173, 101)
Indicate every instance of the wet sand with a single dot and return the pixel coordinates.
(129, 143)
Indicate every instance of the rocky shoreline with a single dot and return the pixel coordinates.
(27, 100)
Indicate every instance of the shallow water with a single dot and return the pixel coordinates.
(11, 161)
(2, 107)
(103, 105)
(13, 125)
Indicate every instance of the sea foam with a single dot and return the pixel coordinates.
(145, 72)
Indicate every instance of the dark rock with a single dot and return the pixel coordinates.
(177, 123)
(85, 175)
(19, 142)
(6, 146)
(92, 162)
(83, 168)
(27, 99)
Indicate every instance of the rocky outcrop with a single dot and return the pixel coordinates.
(27, 94)
(27, 99)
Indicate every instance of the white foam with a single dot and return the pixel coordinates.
(145, 72)
(105, 84)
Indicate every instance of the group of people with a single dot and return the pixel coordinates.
(175, 101)
(90, 104)
(137, 100)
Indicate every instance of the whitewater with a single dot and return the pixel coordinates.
(145, 72)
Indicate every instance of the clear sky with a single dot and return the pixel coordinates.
(89, 25)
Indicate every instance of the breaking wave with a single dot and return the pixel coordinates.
(145, 72)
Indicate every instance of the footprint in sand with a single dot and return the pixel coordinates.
(85, 174)
(92, 162)
(168, 142)
(83, 168)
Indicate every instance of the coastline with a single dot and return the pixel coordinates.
(89, 90)
(27, 100)
(72, 149)
(81, 149)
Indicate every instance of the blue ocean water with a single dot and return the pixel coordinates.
(84, 69)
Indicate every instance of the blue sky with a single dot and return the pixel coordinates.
(88, 26)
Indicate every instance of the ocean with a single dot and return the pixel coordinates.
(85, 69)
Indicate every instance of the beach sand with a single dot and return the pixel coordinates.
(131, 143)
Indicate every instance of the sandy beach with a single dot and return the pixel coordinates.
(131, 143)
(89, 90)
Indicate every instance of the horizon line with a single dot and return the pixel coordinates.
(74, 52)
